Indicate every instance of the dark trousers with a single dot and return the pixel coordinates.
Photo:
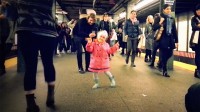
(80, 42)
(5, 49)
(124, 46)
(197, 57)
(131, 47)
(155, 48)
(30, 44)
(68, 41)
(148, 54)
(73, 46)
(165, 55)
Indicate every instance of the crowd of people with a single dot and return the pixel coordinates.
(38, 31)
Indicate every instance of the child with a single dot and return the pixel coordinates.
(99, 62)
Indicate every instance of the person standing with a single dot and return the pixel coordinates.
(169, 38)
(195, 22)
(83, 29)
(149, 38)
(100, 51)
(37, 32)
(132, 31)
(7, 27)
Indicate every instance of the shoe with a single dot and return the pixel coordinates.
(95, 86)
(197, 73)
(31, 104)
(112, 80)
(151, 65)
(145, 60)
(133, 65)
(50, 102)
(86, 70)
(166, 74)
(81, 71)
(159, 68)
(126, 60)
(2, 72)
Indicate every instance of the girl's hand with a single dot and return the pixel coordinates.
(89, 40)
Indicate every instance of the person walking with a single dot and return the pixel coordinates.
(132, 31)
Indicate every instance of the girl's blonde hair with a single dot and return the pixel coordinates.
(147, 20)
(102, 33)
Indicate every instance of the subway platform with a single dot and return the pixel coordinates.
(139, 89)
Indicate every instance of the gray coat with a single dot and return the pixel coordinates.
(149, 34)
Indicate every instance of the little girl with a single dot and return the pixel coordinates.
(99, 60)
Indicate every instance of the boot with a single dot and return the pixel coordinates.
(50, 97)
(31, 105)
(165, 74)
(96, 85)
(127, 59)
(197, 73)
(112, 80)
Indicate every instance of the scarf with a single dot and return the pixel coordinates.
(168, 25)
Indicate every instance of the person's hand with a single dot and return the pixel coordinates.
(92, 35)
(89, 40)
(2, 16)
(161, 20)
(176, 45)
(198, 25)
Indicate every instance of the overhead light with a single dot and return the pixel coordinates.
(89, 11)
(143, 4)
(61, 12)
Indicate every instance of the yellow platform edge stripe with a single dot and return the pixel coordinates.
(13, 62)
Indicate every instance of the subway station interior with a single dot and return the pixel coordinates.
(137, 89)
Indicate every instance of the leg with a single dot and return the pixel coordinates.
(134, 46)
(87, 56)
(129, 48)
(111, 78)
(28, 45)
(79, 53)
(46, 49)
(96, 81)
(197, 62)
(155, 48)
(166, 54)
(2, 58)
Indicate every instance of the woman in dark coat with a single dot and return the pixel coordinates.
(195, 22)
(169, 38)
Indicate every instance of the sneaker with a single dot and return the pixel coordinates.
(81, 71)
(95, 86)
(113, 84)
(133, 65)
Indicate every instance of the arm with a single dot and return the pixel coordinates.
(125, 28)
(174, 32)
(89, 46)
(194, 24)
(113, 49)
(79, 29)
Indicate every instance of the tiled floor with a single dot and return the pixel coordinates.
(139, 89)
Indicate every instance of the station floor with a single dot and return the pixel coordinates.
(139, 89)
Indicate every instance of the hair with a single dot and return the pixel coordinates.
(134, 11)
(192, 98)
(92, 15)
(147, 20)
(103, 32)
(105, 14)
(166, 5)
